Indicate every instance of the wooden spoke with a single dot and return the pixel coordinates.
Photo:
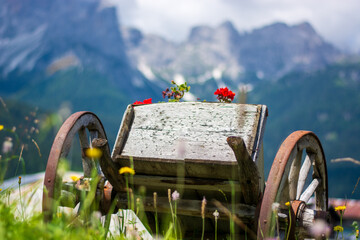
(294, 173)
(84, 143)
(93, 134)
(310, 190)
(304, 171)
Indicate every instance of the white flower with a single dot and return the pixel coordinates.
(320, 229)
(7, 145)
(275, 206)
(216, 214)
(175, 195)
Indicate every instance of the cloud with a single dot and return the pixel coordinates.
(337, 21)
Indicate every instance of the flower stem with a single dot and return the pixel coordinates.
(215, 229)
(288, 233)
(175, 218)
(127, 190)
(203, 229)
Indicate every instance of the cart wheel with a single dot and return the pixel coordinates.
(287, 178)
(67, 194)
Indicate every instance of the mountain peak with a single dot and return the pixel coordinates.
(306, 27)
(200, 33)
(227, 25)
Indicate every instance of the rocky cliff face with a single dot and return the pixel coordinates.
(39, 36)
(265, 53)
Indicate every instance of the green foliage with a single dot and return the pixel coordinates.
(177, 91)
(11, 227)
(24, 137)
(325, 102)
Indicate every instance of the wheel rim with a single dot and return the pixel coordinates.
(287, 177)
(76, 123)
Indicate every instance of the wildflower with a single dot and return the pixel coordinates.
(19, 179)
(7, 145)
(203, 205)
(74, 178)
(175, 195)
(146, 101)
(320, 229)
(93, 152)
(338, 229)
(127, 170)
(340, 208)
(1, 127)
(0, 189)
(357, 233)
(275, 206)
(287, 204)
(177, 92)
(224, 95)
(216, 214)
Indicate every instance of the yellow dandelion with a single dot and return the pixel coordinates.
(19, 180)
(287, 204)
(340, 208)
(338, 228)
(1, 127)
(0, 189)
(93, 153)
(357, 233)
(126, 170)
(74, 178)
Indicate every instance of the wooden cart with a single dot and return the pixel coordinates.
(211, 150)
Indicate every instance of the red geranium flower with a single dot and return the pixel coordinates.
(146, 101)
(224, 95)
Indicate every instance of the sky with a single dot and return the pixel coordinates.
(338, 22)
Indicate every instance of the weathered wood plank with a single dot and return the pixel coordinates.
(190, 207)
(123, 131)
(189, 183)
(201, 128)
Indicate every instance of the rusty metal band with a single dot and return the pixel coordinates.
(275, 177)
